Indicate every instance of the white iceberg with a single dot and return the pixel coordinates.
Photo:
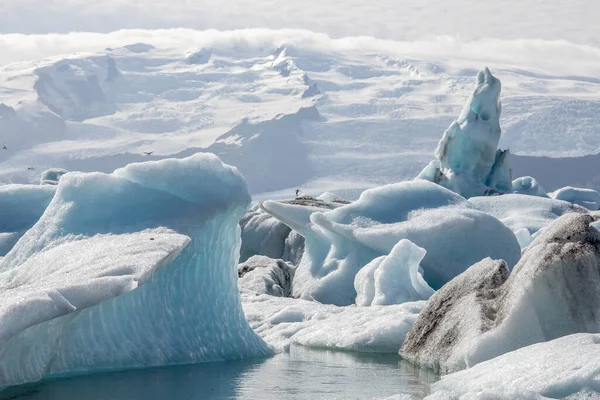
(393, 279)
(568, 367)
(342, 241)
(467, 159)
(97, 283)
(528, 185)
(587, 198)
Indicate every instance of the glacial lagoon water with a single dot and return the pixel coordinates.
(299, 374)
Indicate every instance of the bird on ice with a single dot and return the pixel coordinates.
(4, 147)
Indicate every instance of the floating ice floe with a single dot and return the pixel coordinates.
(566, 368)
(282, 321)
(128, 270)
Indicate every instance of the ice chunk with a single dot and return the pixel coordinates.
(262, 274)
(198, 56)
(293, 250)
(20, 208)
(587, 198)
(528, 185)
(524, 237)
(342, 241)
(281, 321)
(262, 235)
(467, 160)
(568, 366)
(519, 211)
(51, 176)
(186, 312)
(393, 279)
(553, 291)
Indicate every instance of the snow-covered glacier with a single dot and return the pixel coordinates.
(126, 270)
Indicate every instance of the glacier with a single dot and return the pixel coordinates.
(552, 292)
(339, 242)
(128, 270)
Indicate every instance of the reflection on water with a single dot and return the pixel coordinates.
(300, 374)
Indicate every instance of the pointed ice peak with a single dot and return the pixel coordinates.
(486, 76)
(467, 160)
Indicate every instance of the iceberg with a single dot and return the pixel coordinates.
(528, 185)
(341, 241)
(552, 292)
(128, 270)
(20, 208)
(393, 279)
(587, 198)
(567, 367)
(265, 275)
(467, 159)
(51, 176)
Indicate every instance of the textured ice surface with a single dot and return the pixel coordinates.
(587, 198)
(568, 366)
(262, 235)
(520, 211)
(342, 241)
(20, 208)
(281, 321)
(260, 274)
(467, 159)
(51, 176)
(553, 291)
(122, 227)
(393, 279)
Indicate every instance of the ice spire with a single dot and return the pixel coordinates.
(467, 160)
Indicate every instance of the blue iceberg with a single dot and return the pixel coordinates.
(128, 270)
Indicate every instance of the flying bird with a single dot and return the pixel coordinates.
(148, 152)
(4, 147)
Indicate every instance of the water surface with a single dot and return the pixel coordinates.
(301, 373)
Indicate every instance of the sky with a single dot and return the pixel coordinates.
(575, 21)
